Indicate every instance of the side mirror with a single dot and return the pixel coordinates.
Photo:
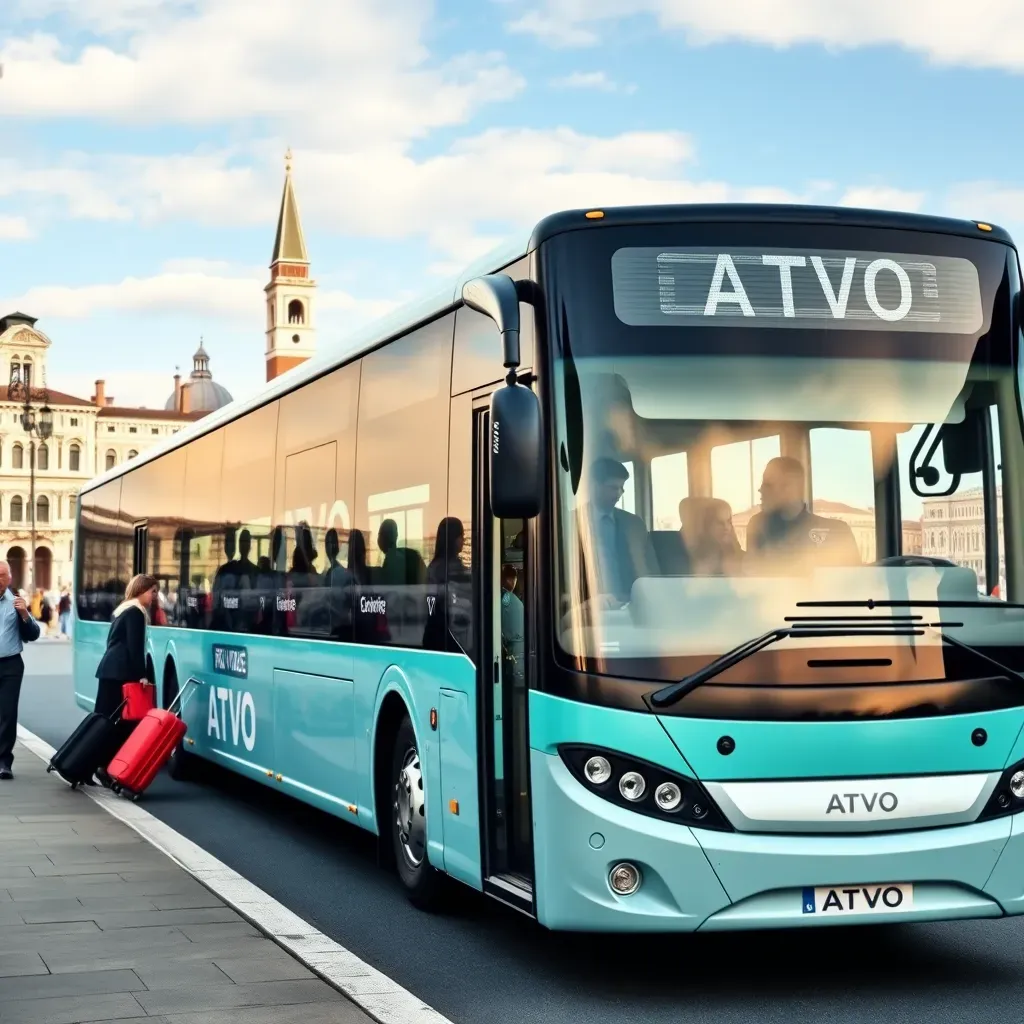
(964, 444)
(516, 453)
(516, 442)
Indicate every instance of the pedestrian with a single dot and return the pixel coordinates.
(17, 628)
(64, 612)
(124, 660)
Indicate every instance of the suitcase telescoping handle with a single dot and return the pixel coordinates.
(181, 693)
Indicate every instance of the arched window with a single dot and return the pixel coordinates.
(43, 457)
(132, 454)
(42, 509)
(111, 459)
(26, 372)
(18, 457)
(15, 369)
(74, 458)
(16, 509)
(296, 312)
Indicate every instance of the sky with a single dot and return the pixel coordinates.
(142, 163)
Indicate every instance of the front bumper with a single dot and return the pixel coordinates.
(696, 879)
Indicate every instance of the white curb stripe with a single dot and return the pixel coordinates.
(373, 992)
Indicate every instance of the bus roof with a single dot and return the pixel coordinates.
(431, 304)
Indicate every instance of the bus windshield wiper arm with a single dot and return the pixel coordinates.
(872, 604)
(953, 642)
(675, 692)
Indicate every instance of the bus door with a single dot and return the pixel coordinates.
(505, 562)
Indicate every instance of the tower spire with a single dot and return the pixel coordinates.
(289, 245)
(291, 329)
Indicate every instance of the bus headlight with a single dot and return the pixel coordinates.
(598, 770)
(643, 787)
(1008, 796)
(632, 786)
(668, 796)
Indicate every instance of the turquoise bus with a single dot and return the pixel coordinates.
(658, 574)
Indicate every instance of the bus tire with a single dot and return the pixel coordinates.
(408, 822)
(181, 766)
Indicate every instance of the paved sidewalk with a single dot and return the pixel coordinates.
(96, 925)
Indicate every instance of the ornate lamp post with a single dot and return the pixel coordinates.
(21, 390)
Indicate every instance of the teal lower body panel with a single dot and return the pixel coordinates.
(579, 838)
(695, 879)
(302, 718)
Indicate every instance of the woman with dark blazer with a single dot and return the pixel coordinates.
(124, 660)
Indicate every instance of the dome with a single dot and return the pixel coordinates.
(204, 396)
(204, 393)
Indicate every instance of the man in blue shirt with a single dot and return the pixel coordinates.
(17, 627)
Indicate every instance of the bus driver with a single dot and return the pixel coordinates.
(786, 530)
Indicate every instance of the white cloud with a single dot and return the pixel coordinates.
(597, 80)
(335, 72)
(14, 229)
(78, 182)
(882, 197)
(236, 298)
(98, 15)
(984, 34)
(503, 179)
(989, 201)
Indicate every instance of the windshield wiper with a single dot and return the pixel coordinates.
(871, 603)
(982, 656)
(675, 692)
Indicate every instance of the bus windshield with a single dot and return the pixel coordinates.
(767, 425)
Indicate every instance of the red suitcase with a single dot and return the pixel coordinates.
(147, 750)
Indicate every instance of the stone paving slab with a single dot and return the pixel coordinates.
(98, 925)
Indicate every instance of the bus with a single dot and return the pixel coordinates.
(661, 573)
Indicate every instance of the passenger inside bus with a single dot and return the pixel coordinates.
(618, 545)
(709, 541)
(786, 534)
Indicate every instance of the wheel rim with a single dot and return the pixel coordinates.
(410, 822)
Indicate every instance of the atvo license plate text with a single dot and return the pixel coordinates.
(859, 899)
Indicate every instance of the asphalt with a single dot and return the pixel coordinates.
(480, 962)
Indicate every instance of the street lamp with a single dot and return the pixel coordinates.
(20, 390)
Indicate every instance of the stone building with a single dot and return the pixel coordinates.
(954, 528)
(90, 435)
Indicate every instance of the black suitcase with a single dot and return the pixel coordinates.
(89, 747)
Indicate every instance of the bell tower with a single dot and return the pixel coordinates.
(291, 328)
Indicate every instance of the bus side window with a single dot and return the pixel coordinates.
(402, 485)
(247, 497)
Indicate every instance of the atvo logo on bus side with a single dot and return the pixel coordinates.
(234, 709)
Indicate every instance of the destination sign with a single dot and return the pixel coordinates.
(794, 288)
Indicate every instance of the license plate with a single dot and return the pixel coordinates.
(855, 900)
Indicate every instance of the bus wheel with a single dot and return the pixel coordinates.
(409, 822)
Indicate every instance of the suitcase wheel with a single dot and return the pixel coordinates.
(49, 768)
(135, 798)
